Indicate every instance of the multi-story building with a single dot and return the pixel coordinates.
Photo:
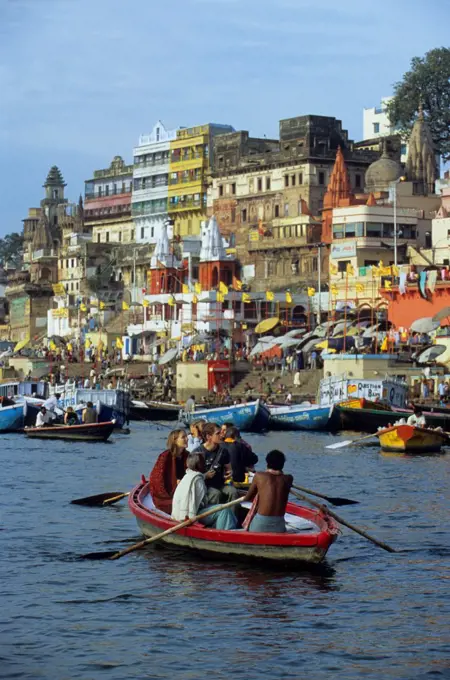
(440, 231)
(376, 124)
(191, 157)
(107, 206)
(151, 183)
(265, 194)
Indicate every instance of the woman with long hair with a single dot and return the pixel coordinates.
(195, 438)
(168, 470)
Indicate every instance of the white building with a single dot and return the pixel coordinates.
(151, 183)
(376, 124)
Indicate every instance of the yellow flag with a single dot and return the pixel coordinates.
(359, 288)
(171, 301)
(246, 298)
(333, 269)
(119, 343)
(384, 345)
(185, 288)
(395, 270)
(198, 288)
(125, 306)
(223, 288)
(237, 285)
(334, 290)
(349, 269)
(311, 292)
(145, 303)
(102, 305)
(194, 299)
(220, 297)
(388, 285)
(244, 326)
(375, 271)
(269, 296)
(288, 297)
(52, 345)
(88, 343)
(83, 307)
(69, 347)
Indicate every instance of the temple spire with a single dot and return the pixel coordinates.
(212, 243)
(339, 185)
(421, 163)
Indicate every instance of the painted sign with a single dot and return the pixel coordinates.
(343, 250)
(60, 313)
(334, 390)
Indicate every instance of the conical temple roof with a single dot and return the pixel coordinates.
(421, 162)
(42, 239)
(212, 244)
(162, 254)
(54, 177)
(339, 185)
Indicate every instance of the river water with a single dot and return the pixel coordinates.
(161, 614)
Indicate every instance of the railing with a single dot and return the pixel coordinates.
(117, 192)
(184, 205)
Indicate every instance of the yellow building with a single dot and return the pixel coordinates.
(190, 159)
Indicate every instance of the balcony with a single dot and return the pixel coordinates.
(92, 195)
(187, 205)
(43, 253)
(271, 242)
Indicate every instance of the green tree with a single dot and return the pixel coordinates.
(427, 84)
(11, 249)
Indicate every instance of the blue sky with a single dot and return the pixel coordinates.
(80, 80)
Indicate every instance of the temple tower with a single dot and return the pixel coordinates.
(215, 265)
(421, 167)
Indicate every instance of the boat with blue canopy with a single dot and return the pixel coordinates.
(299, 417)
(250, 417)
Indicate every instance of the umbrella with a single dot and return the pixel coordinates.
(288, 342)
(425, 325)
(430, 354)
(295, 332)
(168, 356)
(442, 314)
(267, 325)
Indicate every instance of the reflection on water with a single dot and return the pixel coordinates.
(163, 613)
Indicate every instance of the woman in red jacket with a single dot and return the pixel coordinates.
(168, 470)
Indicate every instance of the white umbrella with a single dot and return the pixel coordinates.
(425, 325)
(430, 354)
(168, 356)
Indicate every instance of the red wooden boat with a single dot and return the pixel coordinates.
(87, 432)
(310, 533)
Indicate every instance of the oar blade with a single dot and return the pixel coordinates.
(105, 555)
(341, 501)
(98, 499)
(339, 445)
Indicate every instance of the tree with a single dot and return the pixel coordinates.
(427, 84)
(11, 249)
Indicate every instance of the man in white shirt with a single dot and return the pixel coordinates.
(190, 404)
(44, 417)
(417, 419)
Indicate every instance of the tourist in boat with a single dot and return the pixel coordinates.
(195, 438)
(269, 492)
(242, 458)
(168, 470)
(70, 417)
(89, 414)
(190, 404)
(217, 463)
(190, 497)
(43, 418)
(417, 418)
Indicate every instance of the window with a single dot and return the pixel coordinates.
(107, 190)
(353, 229)
(233, 188)
(376, 128)
(189, 226)
(107, 236)
(370, 263)
(374, 229)
(220, 189)
(120, 236)
(338, 231)
(321, 178)
(244, 215)
(157, 134)
(99, 191)
(286, 209)
(259, 184)
(98, 238)
(277, 211)
(293, 180)
(286, 180)
(342, 265)
(358, 181)
(152, 232)
(300, 178)
(267, 183)
(403, 149)
(142, 232)
(72, 263)
(114, 189)
(233, 215)
(132, 235)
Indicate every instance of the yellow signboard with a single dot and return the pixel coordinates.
(58, 289)
(61, 313)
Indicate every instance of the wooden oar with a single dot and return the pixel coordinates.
(334, 500)
(100, 498)
(115, 499)
(345, 523)
(172, 530)
(349, 442)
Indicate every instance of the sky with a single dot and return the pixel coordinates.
(80, 80)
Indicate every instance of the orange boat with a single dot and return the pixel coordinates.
(411, 439)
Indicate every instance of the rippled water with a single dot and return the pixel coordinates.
(162, 614)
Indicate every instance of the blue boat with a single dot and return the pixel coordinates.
(12, 418)
(251, 417)
(299, 417)
(110, 404)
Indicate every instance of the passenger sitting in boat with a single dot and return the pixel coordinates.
(270, 491)
(169, 470)
(190, 404)
(190, 497)
(242, 458)
(89, 414)
(70, 417)
(43, 418)
(195, 438)
(217, 462)
(417, 418)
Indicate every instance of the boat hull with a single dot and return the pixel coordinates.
(369, 420)
(12, 418)
(410, 439)
(153, 411)
(279, 548)
(299, 418)
(251, 417)
(93, 432)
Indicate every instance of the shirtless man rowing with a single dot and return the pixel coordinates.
(272, 488)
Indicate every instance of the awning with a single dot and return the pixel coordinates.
(267, 325)
(21, 344)
(168, 356)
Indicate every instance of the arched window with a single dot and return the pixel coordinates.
(215, 277)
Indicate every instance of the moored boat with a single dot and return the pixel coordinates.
(310, 534)
(12, 418)
(92, 432)
(411, 439)
(299, 417)
(153, 410)
(369, 419)
(250, 417)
